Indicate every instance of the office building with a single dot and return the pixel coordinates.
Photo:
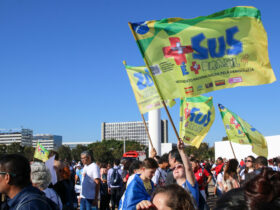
(133, 131)
(73, 145)
(48, 141)
(22, 136)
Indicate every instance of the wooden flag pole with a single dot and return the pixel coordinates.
(156, 86)
(232, 149)
(147, 131)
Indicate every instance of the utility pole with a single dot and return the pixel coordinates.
(124, 145)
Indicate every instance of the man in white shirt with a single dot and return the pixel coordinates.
(90, 182)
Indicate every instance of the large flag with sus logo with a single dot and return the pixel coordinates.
(200, 55)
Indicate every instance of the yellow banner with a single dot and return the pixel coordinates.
(41, 153)
(189, 57)
(239, 131)
(197, 115)
(144, 90)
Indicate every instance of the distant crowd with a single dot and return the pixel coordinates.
(176, 181)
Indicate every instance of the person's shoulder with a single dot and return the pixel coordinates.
(93, 166)
(35, 200)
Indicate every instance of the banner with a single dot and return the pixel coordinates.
(41, 153)
(189, 57)
(239, 131)
(197, 115)
(145, 92)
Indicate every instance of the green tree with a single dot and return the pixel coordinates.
(29, 152)
(3, 149)
(64, 153)
(76, 152)
(15, 147)
(108, 150)
(202, 153)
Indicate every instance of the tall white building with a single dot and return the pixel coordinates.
(22, 136)
(48, 141)
(133, 131)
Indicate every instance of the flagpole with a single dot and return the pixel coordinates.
(156, 86)
(232, 149)
(147, 131)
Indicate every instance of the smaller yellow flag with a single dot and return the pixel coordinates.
(41, 153)
(241, 132)
(197, 115)
(146, 94)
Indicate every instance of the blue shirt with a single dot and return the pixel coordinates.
(79, 173)
(193, 190)
(26, 194)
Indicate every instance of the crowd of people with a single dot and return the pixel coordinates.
(173, 181)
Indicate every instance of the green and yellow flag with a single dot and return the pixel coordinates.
(189, 57)
(197, 115)
(241, 132)
(41, 153)
(145, 92)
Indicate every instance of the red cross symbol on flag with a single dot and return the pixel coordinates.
(195, 67)
(177, 51)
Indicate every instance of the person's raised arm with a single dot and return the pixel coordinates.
(186, 162)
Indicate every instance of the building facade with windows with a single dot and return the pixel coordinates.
(132, 131)
(73, 145)
(22, 136)
(48, 141)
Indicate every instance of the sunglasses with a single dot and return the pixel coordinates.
(178, 166)
(248, 161)
(4, 173)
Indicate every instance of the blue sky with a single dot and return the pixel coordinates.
(62, 73)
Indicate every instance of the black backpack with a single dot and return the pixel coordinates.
(116, 179)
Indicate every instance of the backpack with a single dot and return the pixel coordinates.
(42, 198)
(116, 178)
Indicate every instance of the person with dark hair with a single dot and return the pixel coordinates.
(160, 175)
(141, 187)
(174, 158)
(115, 183)
(260, 193)
(125, 174)
(134, 168)
(90, 182)
(260, 163)
(65, 188)
(15, 183)
(249, 167)
(202, 176)
(104, 195)
(230, 180)
(171, 197)
(218, 167)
